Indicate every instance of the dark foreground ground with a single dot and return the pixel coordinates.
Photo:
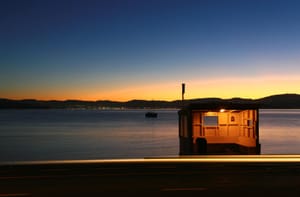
(154, 178)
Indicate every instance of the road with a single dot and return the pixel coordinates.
(153, 177)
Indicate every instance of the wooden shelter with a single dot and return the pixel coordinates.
(219, 128)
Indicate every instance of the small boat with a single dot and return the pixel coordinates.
(151, 115)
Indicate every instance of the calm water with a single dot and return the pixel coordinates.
(94, 134)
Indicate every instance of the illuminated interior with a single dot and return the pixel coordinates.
(219, 131)
(225, 127)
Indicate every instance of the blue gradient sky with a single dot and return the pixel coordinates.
(135, 49)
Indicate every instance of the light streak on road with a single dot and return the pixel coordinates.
(183, 159)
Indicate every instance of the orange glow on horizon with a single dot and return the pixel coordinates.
(230, 87)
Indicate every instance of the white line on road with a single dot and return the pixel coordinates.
(184, 189)
(15, 195)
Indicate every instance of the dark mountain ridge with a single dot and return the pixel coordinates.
(281, 101)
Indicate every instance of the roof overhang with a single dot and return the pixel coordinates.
(217, 106)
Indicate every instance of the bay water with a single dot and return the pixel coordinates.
(30, 135)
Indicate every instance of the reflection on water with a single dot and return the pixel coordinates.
(280, 131)
(85, 134)
(94, 134)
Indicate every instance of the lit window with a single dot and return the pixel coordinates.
(211, 120)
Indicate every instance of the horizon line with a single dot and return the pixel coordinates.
(82, 100)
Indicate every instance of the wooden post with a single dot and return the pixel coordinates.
(183, 91)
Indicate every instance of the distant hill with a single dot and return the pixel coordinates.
(282, 101)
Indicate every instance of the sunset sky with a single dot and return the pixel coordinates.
(137, 49)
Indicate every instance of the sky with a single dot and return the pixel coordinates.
(145, 49)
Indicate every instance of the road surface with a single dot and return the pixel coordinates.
(206, 176)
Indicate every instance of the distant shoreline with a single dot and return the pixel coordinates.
(282, 101)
